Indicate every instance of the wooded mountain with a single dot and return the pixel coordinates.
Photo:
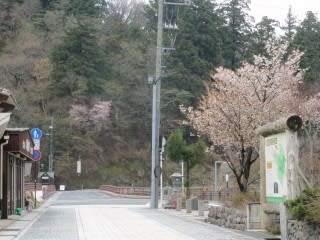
(83, 64)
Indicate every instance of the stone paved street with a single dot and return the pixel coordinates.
(55, 223)
(120, 223)
(130, 219)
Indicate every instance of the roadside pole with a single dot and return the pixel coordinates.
(35, 193)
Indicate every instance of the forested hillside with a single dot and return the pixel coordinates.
(83, 66)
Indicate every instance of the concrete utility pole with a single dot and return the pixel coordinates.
(156, 110)
(156, 86)
(51, 147)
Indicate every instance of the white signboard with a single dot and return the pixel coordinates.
(36, 144)
(79, 167)
(276, 168)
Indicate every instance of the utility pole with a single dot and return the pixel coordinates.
(51, 147)
(156, 87)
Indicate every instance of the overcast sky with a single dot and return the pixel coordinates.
(278, 9)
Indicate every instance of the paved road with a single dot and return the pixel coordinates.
(86, 215)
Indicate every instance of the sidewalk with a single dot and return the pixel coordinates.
(12, 227)
(194, 215)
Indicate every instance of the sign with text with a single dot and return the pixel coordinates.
(276, 165)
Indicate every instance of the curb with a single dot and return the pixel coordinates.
(26, 219)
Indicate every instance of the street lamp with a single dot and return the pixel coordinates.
(51, 146)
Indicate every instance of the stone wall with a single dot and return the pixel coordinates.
(298, 230)
(309, 154)
(227, 217)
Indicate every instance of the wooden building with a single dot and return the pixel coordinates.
(16, 153)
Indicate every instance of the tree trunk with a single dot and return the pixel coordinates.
(247, 167)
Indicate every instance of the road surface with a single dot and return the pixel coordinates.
(93, 215)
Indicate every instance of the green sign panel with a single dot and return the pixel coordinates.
(276, 165)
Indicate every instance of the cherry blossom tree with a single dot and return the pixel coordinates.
(239, 101)
(95, 116)
(309, 139)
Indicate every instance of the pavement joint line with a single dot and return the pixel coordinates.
(31, 217)
(40, 211)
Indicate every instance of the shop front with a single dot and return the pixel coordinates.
(16, 154)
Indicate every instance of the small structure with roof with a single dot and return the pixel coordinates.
(16, 153)
(46, 178)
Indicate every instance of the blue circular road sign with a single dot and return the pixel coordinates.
(36, 155)
(36, 133)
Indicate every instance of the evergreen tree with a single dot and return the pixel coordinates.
(88, 8)
(237, 32)
(290, 25)
(307, 39)
(150, 11)
(178, 150)
(199, 39)
(198, 51)
(79, 66)
(264, 31)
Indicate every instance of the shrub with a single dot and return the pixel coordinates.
(241, 200)
(306, 207)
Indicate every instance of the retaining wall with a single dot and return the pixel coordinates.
(298, 230)
(227, 217)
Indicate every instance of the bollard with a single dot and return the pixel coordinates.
(200, 208)
(178, 204)
(174, 203)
